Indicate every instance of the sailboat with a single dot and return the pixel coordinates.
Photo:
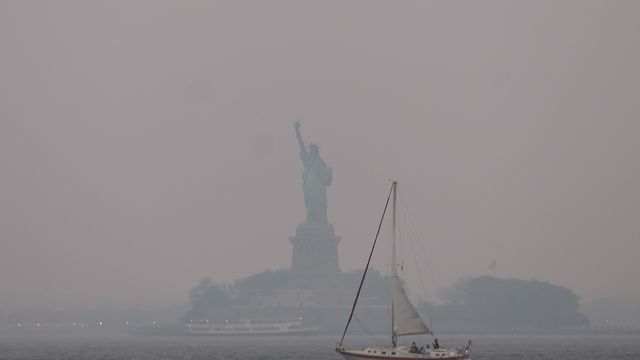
(405, 320)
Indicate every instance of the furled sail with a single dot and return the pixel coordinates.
(406, 320)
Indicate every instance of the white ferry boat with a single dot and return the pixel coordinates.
(247, 327)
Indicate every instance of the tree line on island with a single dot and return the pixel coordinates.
(481, 303)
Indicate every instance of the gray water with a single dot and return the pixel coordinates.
(314, 347)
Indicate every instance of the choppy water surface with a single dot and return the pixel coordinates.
(315, 347)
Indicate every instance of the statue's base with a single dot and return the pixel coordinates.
(314, 264)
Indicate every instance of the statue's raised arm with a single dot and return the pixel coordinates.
(303, 148)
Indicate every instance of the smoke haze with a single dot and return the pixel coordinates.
(145, 145)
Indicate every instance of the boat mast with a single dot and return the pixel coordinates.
(394, 266)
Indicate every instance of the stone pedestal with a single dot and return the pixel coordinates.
(314, 263)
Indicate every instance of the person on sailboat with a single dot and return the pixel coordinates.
(435, 344)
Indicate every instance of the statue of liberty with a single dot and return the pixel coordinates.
(315, 179)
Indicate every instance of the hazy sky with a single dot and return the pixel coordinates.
(146, 145)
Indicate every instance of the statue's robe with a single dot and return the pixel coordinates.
(316, 177)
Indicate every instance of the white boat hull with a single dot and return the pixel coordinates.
(401, 353)
(248, 327)
(296, 332)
